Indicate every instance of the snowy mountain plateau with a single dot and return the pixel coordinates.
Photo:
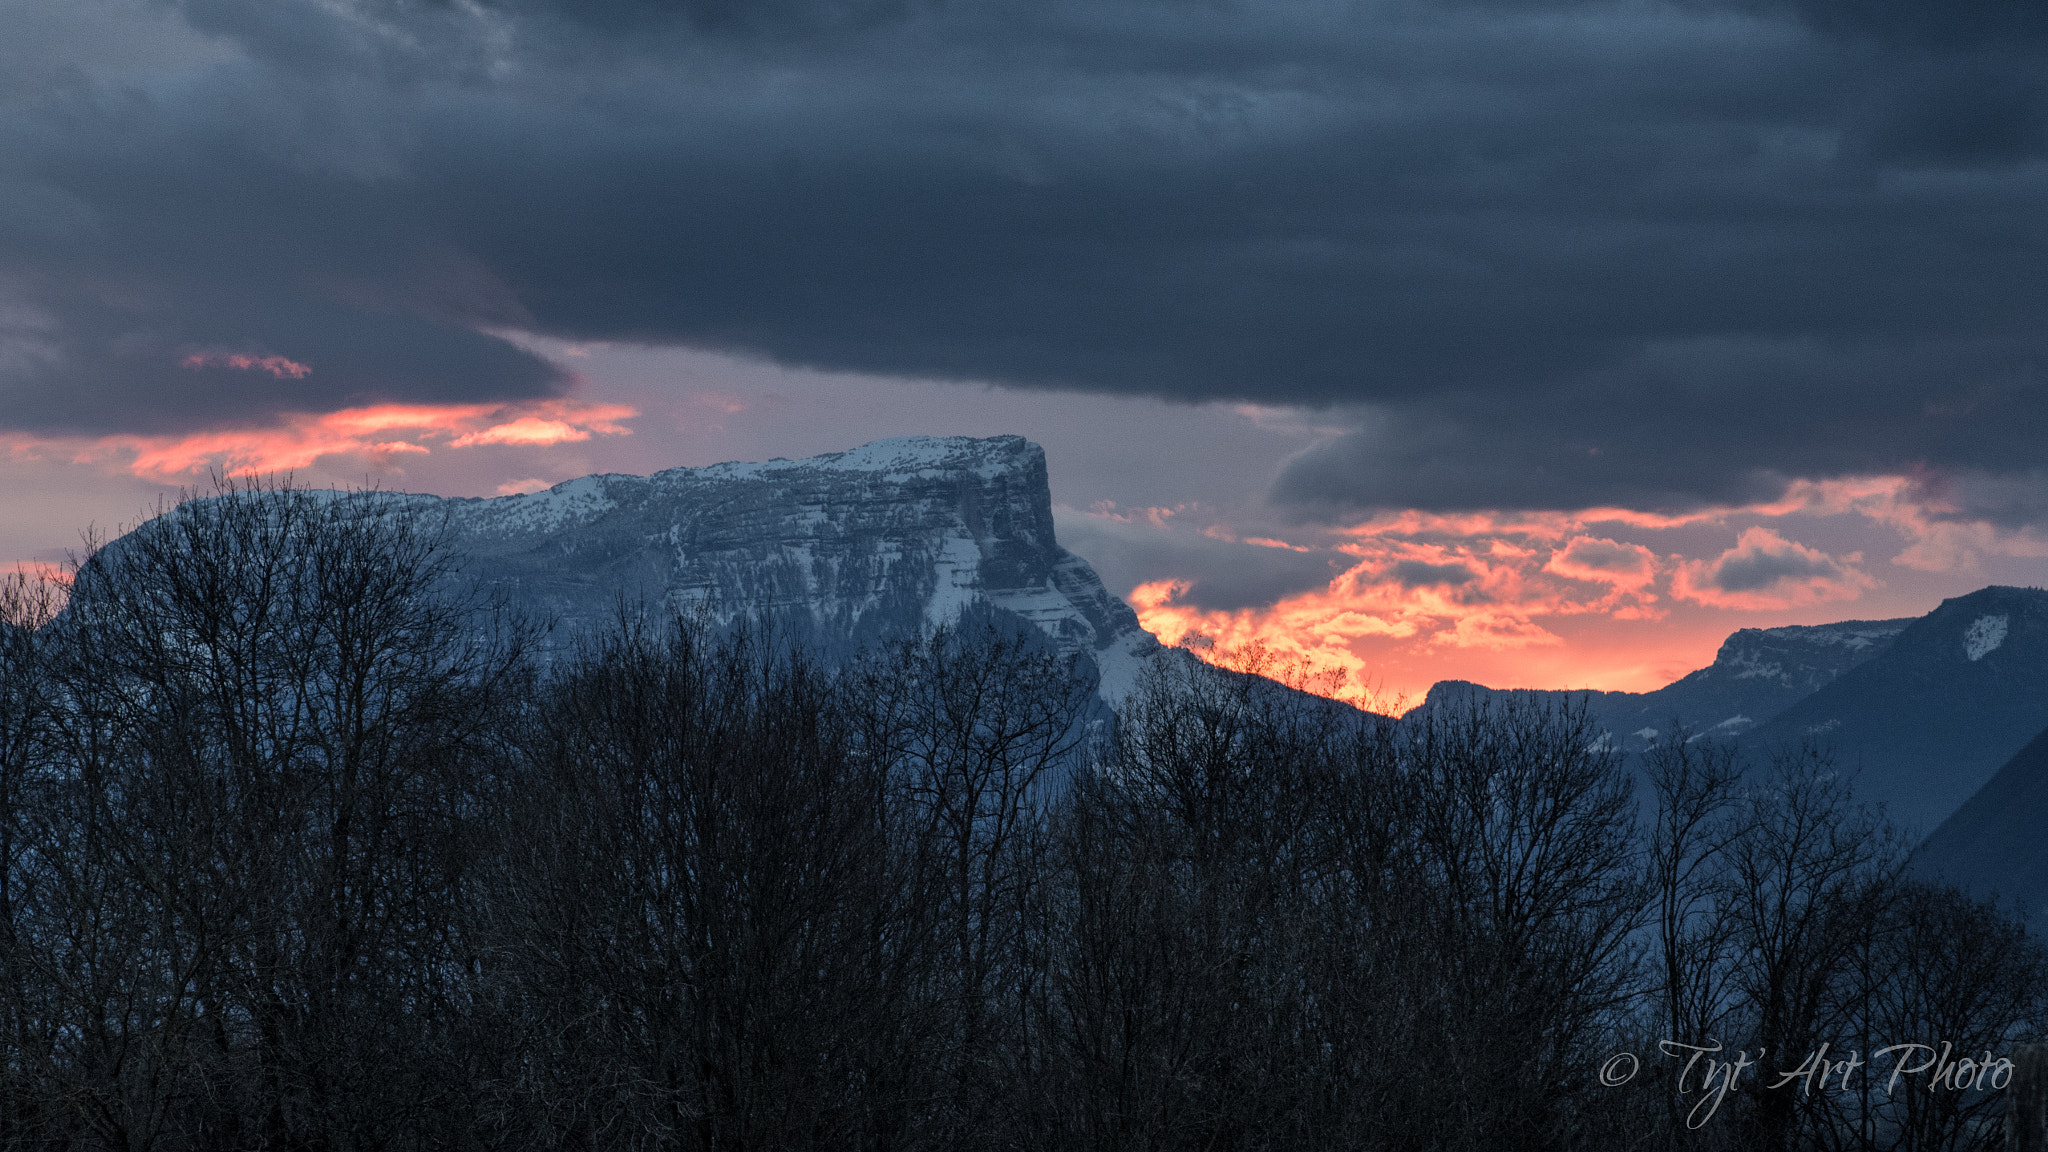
(840, 550)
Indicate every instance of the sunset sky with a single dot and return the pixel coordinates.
(1534, 342)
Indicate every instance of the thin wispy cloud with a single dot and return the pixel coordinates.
(297, 440)
(280, 367)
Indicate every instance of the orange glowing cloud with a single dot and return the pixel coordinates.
(1462, 585)
(383, 430)
(1429, 589)
(1941, 535)
(277, 366)
(1492, 593)
(1432, 587)
(1299, 629)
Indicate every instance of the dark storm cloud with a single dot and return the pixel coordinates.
(1764, 561)
(1589, 555)
(1542, 255)
(1948, 24)
(1420, 574)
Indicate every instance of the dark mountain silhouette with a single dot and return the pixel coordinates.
(1997, 842)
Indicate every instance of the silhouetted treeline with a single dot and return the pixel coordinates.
(302, 847)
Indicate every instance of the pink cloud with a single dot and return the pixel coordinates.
(722, 402)
(1269, 542)
(277, 366)
(1156, 517)
(376, 431)
(525, 430)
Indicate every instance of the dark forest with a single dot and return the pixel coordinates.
(307, 844)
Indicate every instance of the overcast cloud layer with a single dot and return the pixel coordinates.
(1538, 255)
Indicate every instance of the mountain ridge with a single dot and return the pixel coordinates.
(1992, 844)
(1922, 710)
(1955, 695)
(1756, 674)
(879, 542)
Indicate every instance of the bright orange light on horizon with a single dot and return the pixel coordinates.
(1520, 599)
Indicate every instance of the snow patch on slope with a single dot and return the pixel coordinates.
(956, 573)
(1984, 635)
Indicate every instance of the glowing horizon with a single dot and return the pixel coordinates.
(1523, 599)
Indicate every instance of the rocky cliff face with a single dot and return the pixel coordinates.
(847, 549)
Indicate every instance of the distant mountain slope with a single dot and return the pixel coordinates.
(1998, 840)
(1929, 721)
(1758, 673)
(849, 548)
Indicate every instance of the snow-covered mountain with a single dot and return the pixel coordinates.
(1927, 723)
(1757, 674)
(845, 549)
(1922, 711)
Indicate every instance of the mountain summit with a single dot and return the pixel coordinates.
(845, 549)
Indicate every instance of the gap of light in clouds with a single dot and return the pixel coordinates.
(1166, 500)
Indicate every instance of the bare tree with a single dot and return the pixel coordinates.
(1694, 785)
(297, 852)
(978, 727)
(27, 604)
(695, 919)
(277, 703)
(1955, 977)
(1810, 875)
(1526, 832)
(1179, 857)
